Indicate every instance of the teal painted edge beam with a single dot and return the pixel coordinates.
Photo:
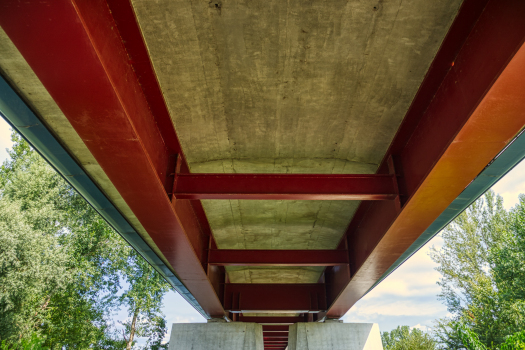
(16, 112)
(493, 172)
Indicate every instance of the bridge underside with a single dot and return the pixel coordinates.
(273, 160)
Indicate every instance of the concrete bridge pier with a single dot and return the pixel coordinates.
(334, 336)
(216, 335)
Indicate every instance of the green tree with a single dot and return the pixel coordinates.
(33, 264)
(26, 284)
(468, 338)
(514, 342)
(480, 264)
(402, 338)
(144, 301)
(61, 264)
(507, 258)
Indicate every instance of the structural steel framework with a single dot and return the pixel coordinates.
(91, 58)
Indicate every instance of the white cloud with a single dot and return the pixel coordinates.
(5, 139)
(391, 307)
(510, 186)
(416, 277)
(406, 297)
(420, 327)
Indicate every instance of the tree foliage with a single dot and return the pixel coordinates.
(402, 338)
(515, 342)
(62, 265)
(144, 300)
(483, 279)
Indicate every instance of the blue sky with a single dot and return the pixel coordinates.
(407, 297)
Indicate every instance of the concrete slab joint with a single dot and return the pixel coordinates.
(216, 335)
(334, 336)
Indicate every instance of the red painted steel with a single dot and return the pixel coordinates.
(272, 320)
(293, 298)
(280, 329)
(275, 334)
(477, 109)
(77, 54)
(126, 22)
(285, 186)
(245, 257)
(128, 28)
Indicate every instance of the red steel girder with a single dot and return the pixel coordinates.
(242, 257)
(273, 344)
(280, 329)
(128, 28)
(293, 298)
(285, 186)
(467, 110)
(75, 49)
(273, 320)
(275, 334)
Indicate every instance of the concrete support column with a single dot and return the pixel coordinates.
(334, 336)
(216, 335)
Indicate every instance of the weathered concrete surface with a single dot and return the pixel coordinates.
(273, 86)
(216, 335)
(16, 69)
(334, 336)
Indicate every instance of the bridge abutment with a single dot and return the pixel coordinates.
(334, 336)
(216, 335)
